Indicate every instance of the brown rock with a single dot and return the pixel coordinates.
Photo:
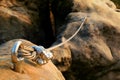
(95, 49)
(62, 58)
(25, 19)
(31, 71)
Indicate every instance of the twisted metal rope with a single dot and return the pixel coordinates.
(38, 54)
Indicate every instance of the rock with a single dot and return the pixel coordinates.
(62, 58)
(117, 2)
(95, 49)
(31, 71)
(28, 19)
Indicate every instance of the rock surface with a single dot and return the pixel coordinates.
(93, 54)
(28, 19)
(31, 71)
(95, 50)
(117, 2)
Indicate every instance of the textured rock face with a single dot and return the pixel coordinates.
(62, 58)
(95, 49)
(117, 2)
(27, 19)
(93, 54)
(31, 71)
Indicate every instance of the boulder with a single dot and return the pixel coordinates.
(27, 19)
(62, 58)
(30, 70)
(95, 50)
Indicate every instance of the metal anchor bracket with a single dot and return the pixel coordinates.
(37, 54)
(17, 61)
(15, 53)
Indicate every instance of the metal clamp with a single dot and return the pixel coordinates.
(42, 54)
(37, 54)
(14, 54)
